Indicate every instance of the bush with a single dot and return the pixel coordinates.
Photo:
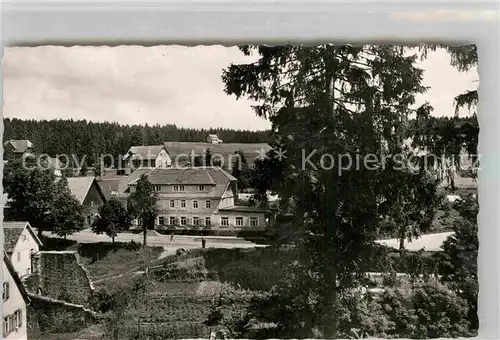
(428, 310)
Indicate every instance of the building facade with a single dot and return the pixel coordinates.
(214, 139)
(20, 244)
(153, 156)
(15, 300)
(199, 198)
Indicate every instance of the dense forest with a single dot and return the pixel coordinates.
(85, 137)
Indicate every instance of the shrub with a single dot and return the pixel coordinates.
(428, 310)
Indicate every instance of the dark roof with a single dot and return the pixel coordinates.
(214, 177)
(12, 232)
(251, 150)
(16, 278)
(11, 236)
(189, 176)
(124, 182)
(19, 145)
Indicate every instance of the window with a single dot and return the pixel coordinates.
(5, 291)
(178, 188)
(207, 204)
(161, 220)
(196, 221)
(239, 221)
(254, 222)
(183, 220)
(172, 204)
(183, 203)
(12, 322)
(18, 256)
(208, 222)
(195, 204)
(157, 188)
(91, 204)
(172, 220)
(6, 328)
(19, 317)
(224, 221)
(201, 188)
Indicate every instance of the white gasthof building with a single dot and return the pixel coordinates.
(197, 197)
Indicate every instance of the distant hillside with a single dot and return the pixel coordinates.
(83, 137)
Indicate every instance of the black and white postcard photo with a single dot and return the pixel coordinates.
(324, 191)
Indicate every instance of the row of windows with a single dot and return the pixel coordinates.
(12, 323)
(178, 188)
(196, 204)
(224, 221)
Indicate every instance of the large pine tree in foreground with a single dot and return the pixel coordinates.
(339, 112)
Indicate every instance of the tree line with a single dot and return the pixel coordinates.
(82, 137)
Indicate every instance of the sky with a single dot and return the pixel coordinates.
(160, 85)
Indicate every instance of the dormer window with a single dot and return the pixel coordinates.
(178, 188)
(201, 187)
(157, 188)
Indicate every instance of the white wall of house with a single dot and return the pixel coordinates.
(163, 160)
(12, 302)
(220, 220)
(21, 255)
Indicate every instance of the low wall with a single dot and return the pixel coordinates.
(51, 315)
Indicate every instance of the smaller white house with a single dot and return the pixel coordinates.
(214, 139)
(15, 299)
(20, 243)
(151, 156)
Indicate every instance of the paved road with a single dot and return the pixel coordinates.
(180, 241)
(430, 242)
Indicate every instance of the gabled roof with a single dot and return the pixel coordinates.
(214, 177)
(188, 176)
(124, 182)
(251, 150)
(80, 186)
(19, 145)
(13, 230)
(16, 278)
(144, 152)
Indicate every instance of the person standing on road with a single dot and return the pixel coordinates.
(171, 237)
(203, 242)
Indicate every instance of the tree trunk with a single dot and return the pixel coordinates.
(402, 237)
(113, 240)
(144, 235)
